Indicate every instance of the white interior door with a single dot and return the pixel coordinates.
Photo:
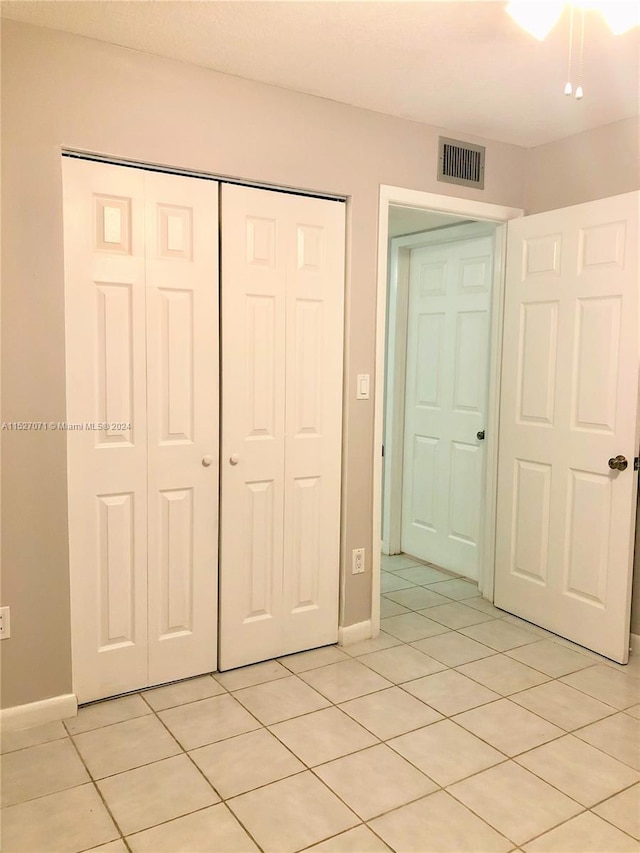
(282, 345)
(141, 344)
(445, 402)
(182, 413)
(569, 404)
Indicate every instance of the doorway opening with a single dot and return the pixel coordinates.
(440, 265)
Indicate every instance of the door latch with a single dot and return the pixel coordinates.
(480, 435)
(636, 463)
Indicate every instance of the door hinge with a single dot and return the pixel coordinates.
(636, 463)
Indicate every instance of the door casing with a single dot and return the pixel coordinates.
(477, 211)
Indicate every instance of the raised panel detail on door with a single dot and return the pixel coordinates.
(114, 362)
(445, 401)
(282, 332)
(176, 364)
(589, 530)
(176, 561)
(596, 364)
(117, 555)
(530, 521)
(537, 362)
(568, 517)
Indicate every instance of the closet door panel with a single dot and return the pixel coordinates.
(253, 269)
(182, 401)
(106, 426)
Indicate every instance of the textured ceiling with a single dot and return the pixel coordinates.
(464, 66)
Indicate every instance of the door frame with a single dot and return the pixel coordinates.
(467, 209)
(396, 352)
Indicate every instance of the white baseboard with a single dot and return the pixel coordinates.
(634, 643)
(38, 713)
(354, 633)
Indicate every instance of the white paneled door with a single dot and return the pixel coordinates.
(565, 518)
(141, 273)
(445, 402)
(282, 345)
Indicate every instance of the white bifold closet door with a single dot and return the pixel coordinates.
(282, 355)
(141, 273)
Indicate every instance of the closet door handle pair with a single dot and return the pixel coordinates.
(208, 460)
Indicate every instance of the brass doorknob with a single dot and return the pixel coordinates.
(618, 463)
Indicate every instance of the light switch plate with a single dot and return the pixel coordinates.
(362, 386)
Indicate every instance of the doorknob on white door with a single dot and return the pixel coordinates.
(234, 459)
(207, 460)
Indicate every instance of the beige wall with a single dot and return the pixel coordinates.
(584, 167)
(60, 90)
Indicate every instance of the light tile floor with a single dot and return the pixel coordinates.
(459, 729)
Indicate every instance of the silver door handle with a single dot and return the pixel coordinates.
(618, 463)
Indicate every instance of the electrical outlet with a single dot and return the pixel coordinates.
(5, 624)
(357, 561)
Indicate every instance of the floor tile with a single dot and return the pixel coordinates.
(32, 737)
(446, 752)
(634, 711)
(214, 830)
(389, 583)
(191, 690)
(453, 649)
(240, 764)
(499, 635)
(117, 846)
(503, 674)
(631, 668)
(411, 626)
(248, 676)
(282, 699)
(292, 814)
(485, 606)
(357, 840)
(424, 574)
(401, 664)
(619, 736)
(551, 658)
(382, 641)
(457, 615)
(450, 692)
(586, 833)
(208, 721)
(323, 736)
(123, 746)
(541, 633)
(70, 820)
(562, 705)
(146, 796)
(340, 682)
(390, 781)
(458, 590)
(452, 828)
(514, 801)
(623, 811)
(313, 659)
(607, 684)
(417, 598)
(391, 608)
(395, 562)
(508, 727)
(578, 770)
(389, 713)
(106, 713)
(40, 770)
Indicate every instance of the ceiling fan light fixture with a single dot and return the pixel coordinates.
(537, 18)
(620, 16)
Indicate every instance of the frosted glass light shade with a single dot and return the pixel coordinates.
(537, 18)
